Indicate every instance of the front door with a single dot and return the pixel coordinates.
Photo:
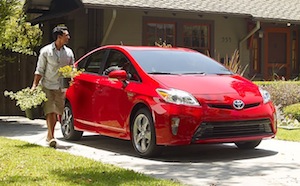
(110, 99)
(277, 53)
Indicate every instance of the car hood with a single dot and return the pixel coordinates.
(209, 84)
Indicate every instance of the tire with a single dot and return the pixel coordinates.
(67, 125)
(247, 144)
(143, 135)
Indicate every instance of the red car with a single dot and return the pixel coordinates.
(157, 96)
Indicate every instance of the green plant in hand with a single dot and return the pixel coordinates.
(69, 72)
(27, 98)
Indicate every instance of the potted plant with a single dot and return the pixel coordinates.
(28, 99)
(67, 73)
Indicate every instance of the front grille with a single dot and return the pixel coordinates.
(224, 106)
(209, 130)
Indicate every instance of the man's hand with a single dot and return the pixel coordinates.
(33, 87)
(36, 81)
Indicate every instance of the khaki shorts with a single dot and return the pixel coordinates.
(55, 102)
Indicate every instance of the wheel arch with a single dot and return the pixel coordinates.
(137, 107)
(67, 101)
(151, 145)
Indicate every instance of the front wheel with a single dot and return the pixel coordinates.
(143, 135)
(247, 144)
(67, 125)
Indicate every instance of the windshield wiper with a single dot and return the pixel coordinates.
(224, 73)
(167, 73)
(201, 73)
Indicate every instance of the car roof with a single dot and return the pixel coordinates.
(131, 48)
(135, 48)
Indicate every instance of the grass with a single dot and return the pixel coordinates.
(23, 163)
(288, 135)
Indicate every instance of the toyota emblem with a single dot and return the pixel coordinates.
(238, 104)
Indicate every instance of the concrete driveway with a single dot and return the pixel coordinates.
(273, 163)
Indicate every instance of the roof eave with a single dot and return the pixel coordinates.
(97, 6)
(274, 20)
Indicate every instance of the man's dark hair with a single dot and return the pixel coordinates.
(58, 30)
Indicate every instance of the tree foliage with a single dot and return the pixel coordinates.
(7, 8)
(16, 34)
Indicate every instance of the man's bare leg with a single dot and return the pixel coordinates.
(51, 120)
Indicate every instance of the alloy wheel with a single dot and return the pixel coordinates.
(66, 121)
(142, 133)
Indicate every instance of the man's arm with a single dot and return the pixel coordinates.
(36, 80)
(40, 70)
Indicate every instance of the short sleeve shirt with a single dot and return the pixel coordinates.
(49, 61)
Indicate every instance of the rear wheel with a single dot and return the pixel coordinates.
(143, 135)
(67, 125)
(247, 144)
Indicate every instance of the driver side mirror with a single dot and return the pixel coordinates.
(121, 75)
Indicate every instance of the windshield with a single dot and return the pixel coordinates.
(177, 62)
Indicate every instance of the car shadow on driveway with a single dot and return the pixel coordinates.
(189, 154)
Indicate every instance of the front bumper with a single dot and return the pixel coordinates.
(213, 125)
(226, 131)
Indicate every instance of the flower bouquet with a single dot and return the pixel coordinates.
(27, 99)
(68, 72)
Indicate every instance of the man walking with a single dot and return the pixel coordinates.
(51, 58)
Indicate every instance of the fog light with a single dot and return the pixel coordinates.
(174, 125)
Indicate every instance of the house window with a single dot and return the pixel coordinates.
(189, 33)
(157, 32)
(196, 37)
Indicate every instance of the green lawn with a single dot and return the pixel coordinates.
(288, 135)
(22, 163)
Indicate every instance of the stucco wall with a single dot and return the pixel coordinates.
(78, 26)
(228, 34)
(128, 24)
(127, 27)
(228, 31)
(79, 35)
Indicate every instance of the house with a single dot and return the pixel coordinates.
(265, 32)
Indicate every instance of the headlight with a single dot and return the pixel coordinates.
(265, 95)
(177, 97)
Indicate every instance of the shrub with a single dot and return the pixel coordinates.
(293, 111)
(283, 93)
(233, 63)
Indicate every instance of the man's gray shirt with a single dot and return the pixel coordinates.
(49, 61)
